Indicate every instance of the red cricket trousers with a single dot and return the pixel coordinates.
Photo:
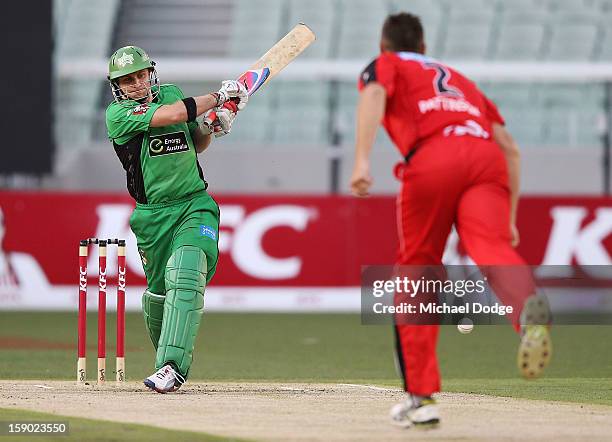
(461, 181)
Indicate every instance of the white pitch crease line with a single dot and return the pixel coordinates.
(371, 387)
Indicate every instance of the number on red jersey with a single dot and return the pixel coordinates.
(440, 81)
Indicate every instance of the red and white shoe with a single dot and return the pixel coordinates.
(165, 380)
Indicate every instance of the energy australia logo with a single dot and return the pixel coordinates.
(208, 231)
(167, 144)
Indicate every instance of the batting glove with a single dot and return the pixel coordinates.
(234, 90)
(219, 120)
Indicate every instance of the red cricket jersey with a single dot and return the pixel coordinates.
(426, 98)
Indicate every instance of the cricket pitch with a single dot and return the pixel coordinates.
(313, 412)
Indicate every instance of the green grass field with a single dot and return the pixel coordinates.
(331, 348)
(90, 430)
(318, 348)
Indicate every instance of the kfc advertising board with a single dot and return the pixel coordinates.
(277, 253)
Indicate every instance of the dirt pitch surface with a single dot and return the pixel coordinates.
(313, 412)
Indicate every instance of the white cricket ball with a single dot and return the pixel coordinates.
(465, 326)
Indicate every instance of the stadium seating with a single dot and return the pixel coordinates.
(605, 45)
(602, 5)
(360, 28)
(528, 6)
(76, 101)
(302, 113)
(590, 129)
(565, 5)
(520, 36)
(190, 27)
(256, 26)
(301, 126)
(253, 126)
(349, 30)
(526, 125)
(468, 35)
(564, 129)
(321, 16)
(344, 121)
(509, 94)
(574, 36)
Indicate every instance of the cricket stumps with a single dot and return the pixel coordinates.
(82, 320)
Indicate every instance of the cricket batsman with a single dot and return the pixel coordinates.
(155, 134)
(461, 166)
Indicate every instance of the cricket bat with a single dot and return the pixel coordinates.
(273, 61)
(277, 58)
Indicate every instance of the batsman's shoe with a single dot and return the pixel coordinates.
(421, 413)
(535, 349)
(178, 382)
(165, 380)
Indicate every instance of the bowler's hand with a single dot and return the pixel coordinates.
(361, 179)
(515, 237)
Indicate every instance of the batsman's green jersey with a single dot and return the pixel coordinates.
(161, 162)
(176, 222)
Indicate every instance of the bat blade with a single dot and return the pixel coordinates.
(277, 57)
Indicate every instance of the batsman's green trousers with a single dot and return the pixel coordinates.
(178, 246)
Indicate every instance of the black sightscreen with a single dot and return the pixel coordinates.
(25, 87)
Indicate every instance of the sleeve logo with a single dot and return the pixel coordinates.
(208, 231)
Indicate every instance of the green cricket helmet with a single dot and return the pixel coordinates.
(127, 60)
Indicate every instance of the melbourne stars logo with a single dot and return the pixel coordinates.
(125, 59)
